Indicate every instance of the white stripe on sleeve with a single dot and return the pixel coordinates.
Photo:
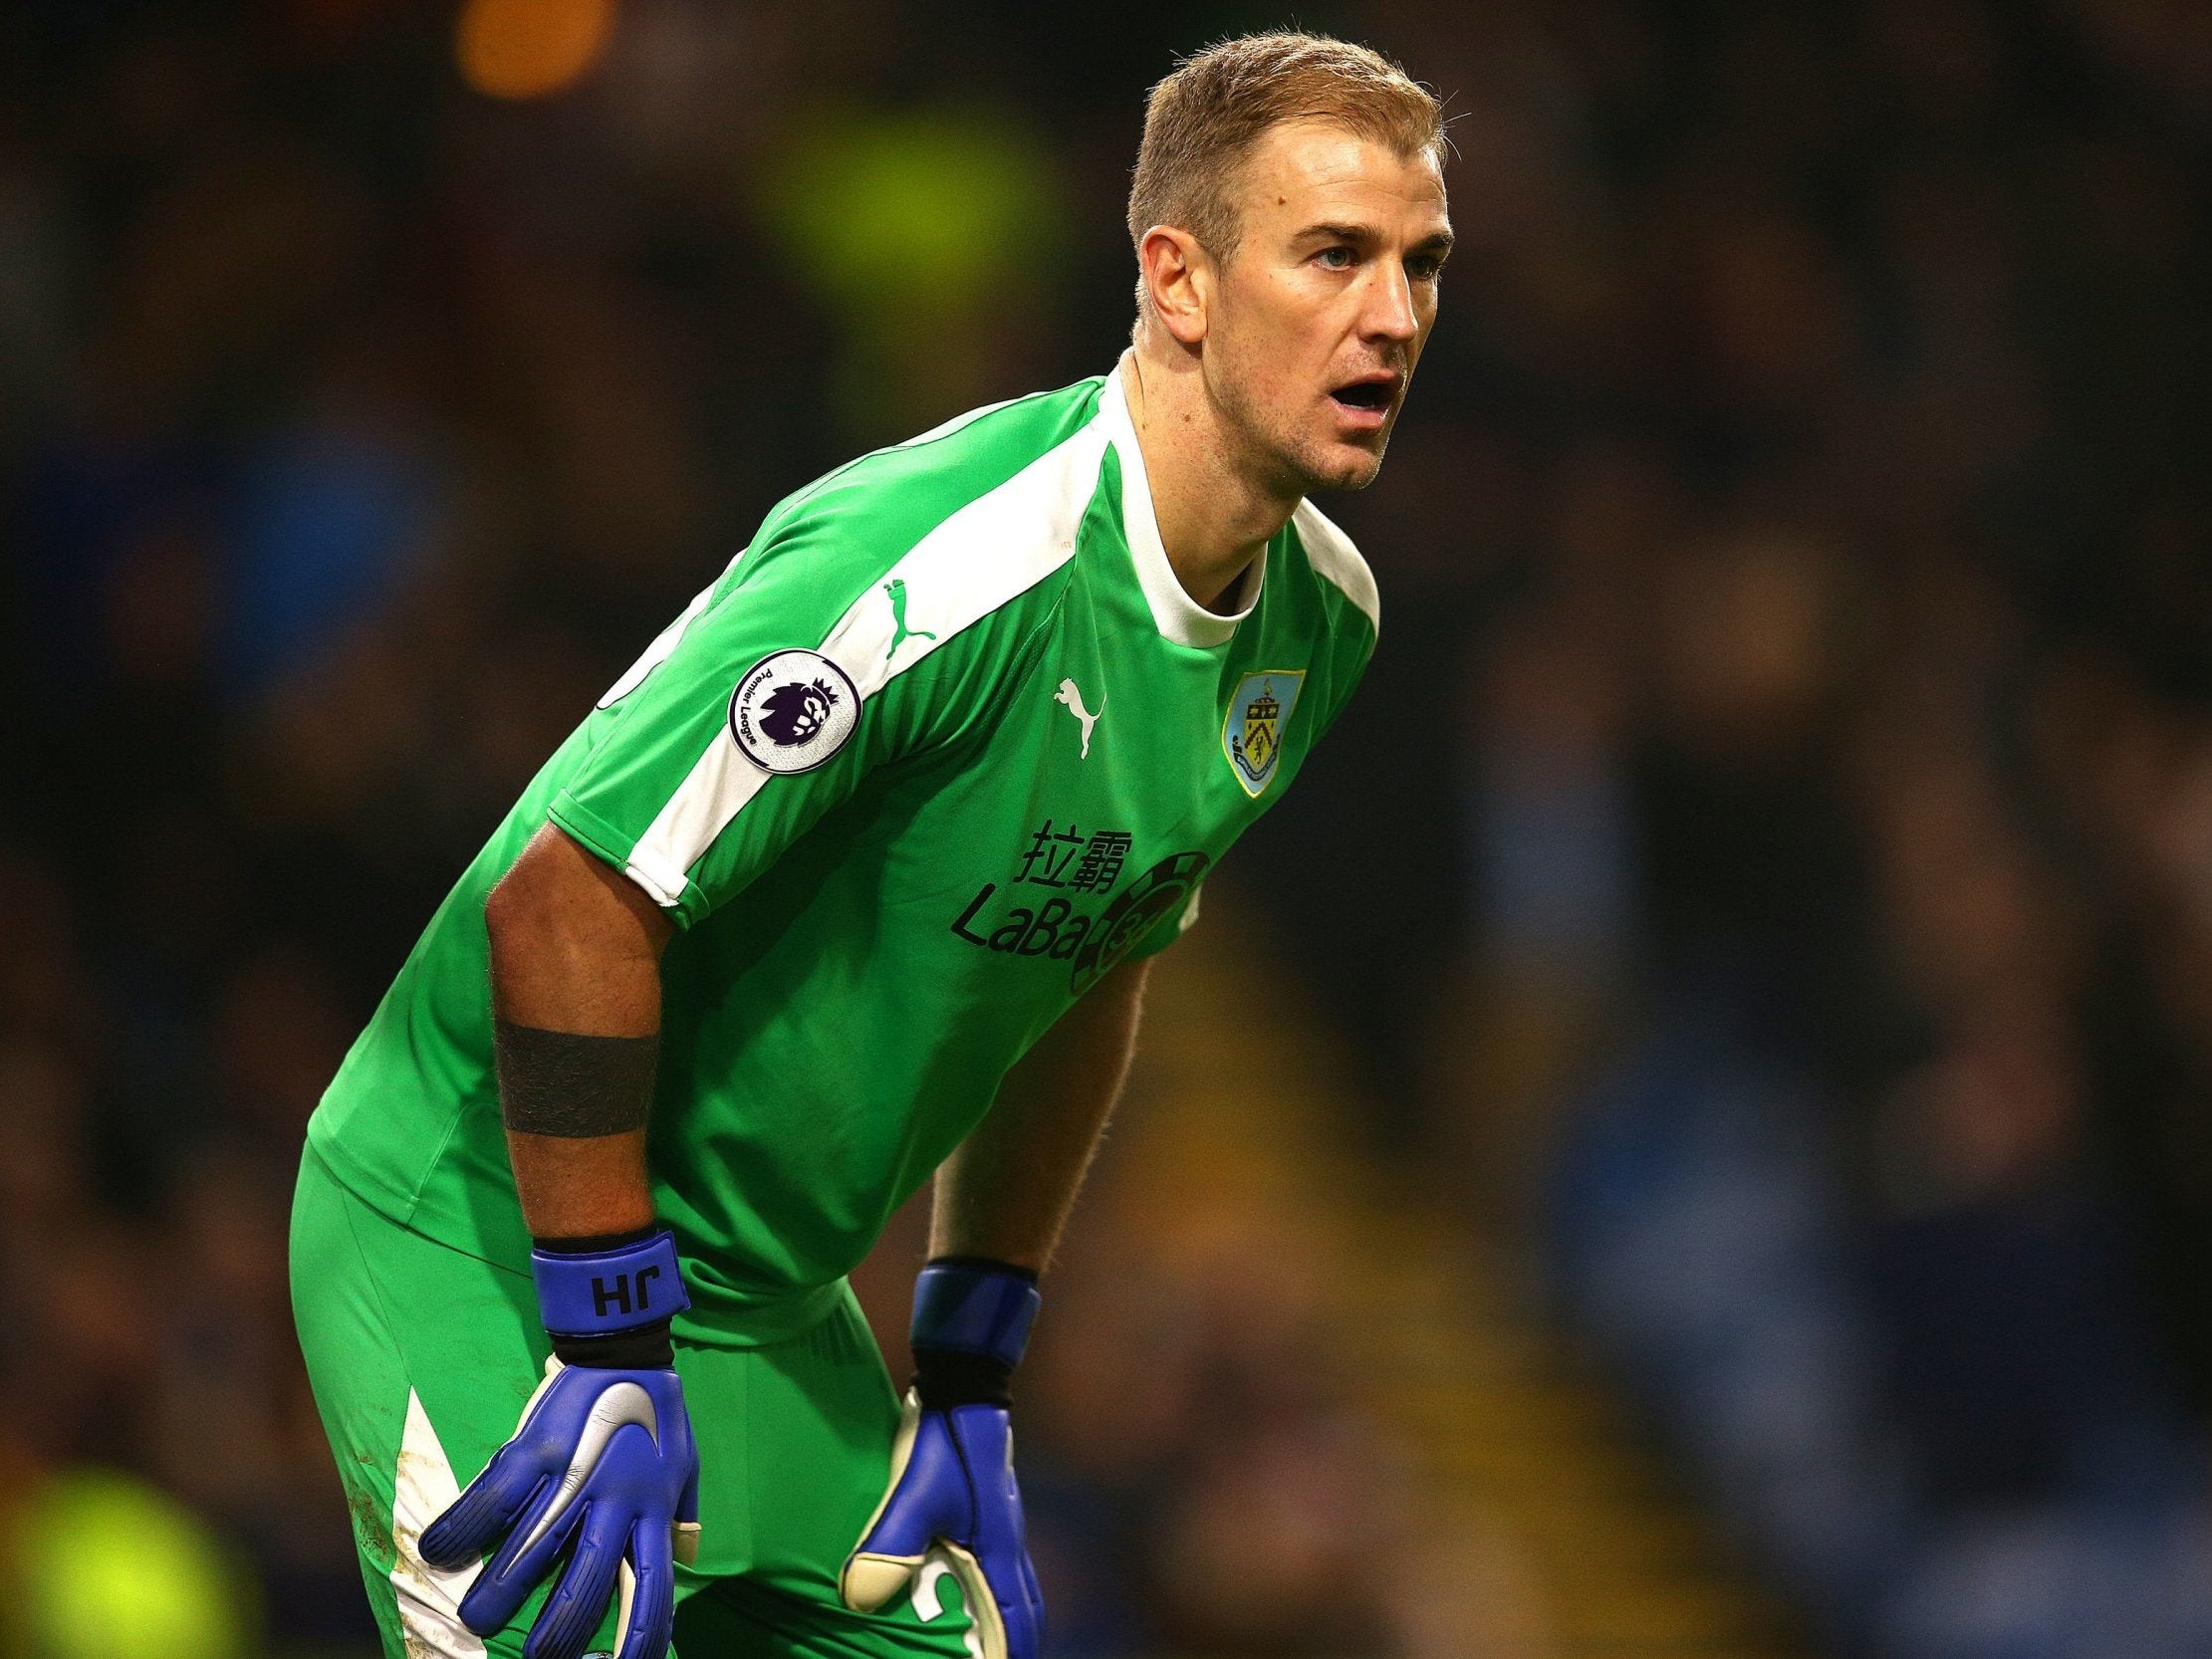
(983, 557)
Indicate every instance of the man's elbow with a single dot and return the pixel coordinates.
(556, 892)
(522, 901)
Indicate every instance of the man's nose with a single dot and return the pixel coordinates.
(1390, 314)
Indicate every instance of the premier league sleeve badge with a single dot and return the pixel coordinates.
(793, 711)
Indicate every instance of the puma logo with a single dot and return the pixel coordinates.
(1074, 699)
(896, 589)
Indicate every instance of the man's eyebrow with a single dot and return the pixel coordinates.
(1435, 242)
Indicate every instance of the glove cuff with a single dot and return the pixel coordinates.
(972, 1318)
(648, 1348)
(944, 1379)
(607, 1302)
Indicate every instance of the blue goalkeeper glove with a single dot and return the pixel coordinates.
(602, 1465)
(952, 1489)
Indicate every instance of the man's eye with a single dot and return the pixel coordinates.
(1426, 268)
(1336, 259)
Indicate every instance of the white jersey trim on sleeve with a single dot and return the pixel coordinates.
(984, 556)
(946, 428)
(716, 790)
(1336, 561)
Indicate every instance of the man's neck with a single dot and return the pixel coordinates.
(1214, 519)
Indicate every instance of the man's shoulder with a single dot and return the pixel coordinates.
(896, 496)
(970, 523)
(1331, 557)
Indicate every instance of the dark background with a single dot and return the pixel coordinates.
(1761, 900)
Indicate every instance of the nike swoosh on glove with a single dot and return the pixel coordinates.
(952, 1490)
(603, 1458)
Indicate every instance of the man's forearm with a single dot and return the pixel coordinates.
(575, 990)
(582, 1189)
(1005, 1193)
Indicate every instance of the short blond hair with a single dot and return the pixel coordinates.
(1203, 120)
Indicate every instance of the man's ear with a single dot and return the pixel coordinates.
(1179, 277)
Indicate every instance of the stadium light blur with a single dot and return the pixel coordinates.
(923, 231)
(892, 211)
(116, 1570)
(531, 48)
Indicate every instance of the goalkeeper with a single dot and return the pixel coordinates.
(849, 881)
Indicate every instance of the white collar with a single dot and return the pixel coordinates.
(1175, 614)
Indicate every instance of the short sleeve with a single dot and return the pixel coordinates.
(766, 705)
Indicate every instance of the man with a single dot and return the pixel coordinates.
(851, 881)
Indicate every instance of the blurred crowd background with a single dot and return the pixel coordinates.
(1763, 891)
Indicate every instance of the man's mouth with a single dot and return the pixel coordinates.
(1369, 397)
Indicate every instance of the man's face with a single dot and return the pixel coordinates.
(1317, 321)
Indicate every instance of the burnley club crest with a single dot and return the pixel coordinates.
(1258, 715)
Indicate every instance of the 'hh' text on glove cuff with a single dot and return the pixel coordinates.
(600, 1292)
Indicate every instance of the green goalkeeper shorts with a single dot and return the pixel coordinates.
(421, 1359)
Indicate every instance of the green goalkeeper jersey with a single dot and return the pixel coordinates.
(945, 743)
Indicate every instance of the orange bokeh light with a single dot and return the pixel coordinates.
(531, 48)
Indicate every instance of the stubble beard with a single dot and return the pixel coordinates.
(1283, 463)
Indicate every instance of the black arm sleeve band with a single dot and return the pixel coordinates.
(558, 1083)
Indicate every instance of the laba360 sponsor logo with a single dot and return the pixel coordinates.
(1056, 931)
